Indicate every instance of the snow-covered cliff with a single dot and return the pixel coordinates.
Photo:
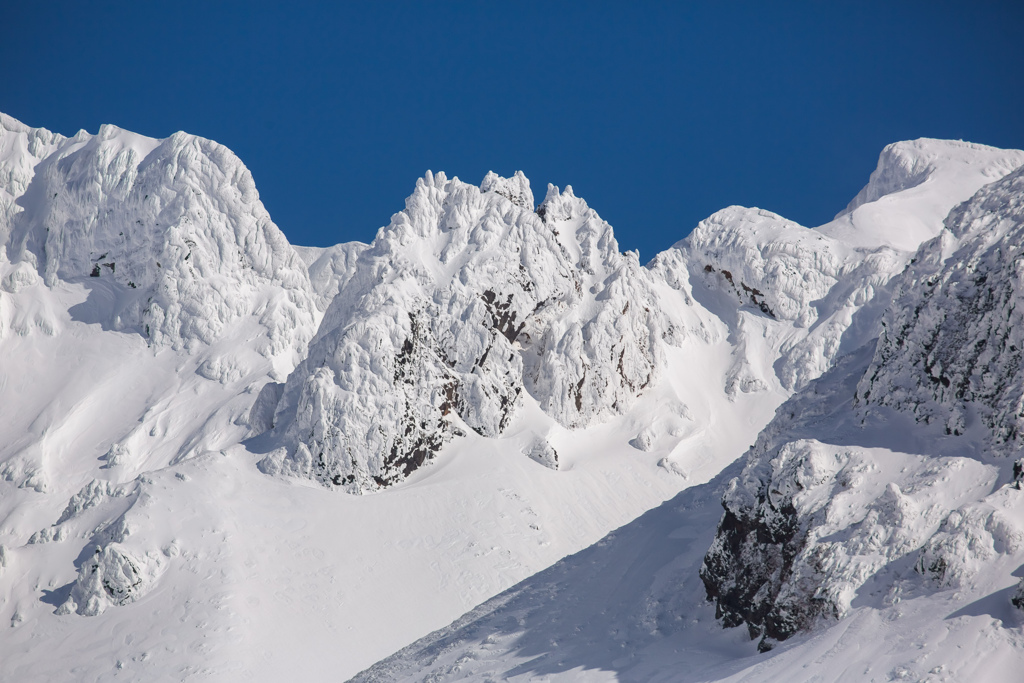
(951, 345)
(173, 230)
(468, 299)
(165, 350)
(897, 467)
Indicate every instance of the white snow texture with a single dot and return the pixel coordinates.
(188, 401)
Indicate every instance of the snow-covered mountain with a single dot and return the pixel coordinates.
(906, 451)
(467, 302)
(192, 406)
(878, 515)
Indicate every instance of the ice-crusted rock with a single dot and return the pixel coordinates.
(807, 287)
(807, 523)
(540, 450)
(644, 440)
(49, 535)
(952, 343)
(25, 472)
(176, 227)
(112, 576)
(466, 300)
(969, 538)
(1017, 599)
(515, 189)
(764, 260)
(118, 454)
(849, 316)
(92, 494)
(21, 149)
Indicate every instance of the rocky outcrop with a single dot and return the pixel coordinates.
(809, 522)
(789, 293)
(112, 576)
(464, 303)
(174, 229)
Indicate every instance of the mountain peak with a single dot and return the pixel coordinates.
(914, 186)
(516, 189)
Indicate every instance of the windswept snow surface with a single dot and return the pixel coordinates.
(190, 408)
(139, 538)
(916, 183)
(632, 608)
(875, 531)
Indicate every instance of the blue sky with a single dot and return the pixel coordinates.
(657, 113)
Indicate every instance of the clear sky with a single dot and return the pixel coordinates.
(657, 113)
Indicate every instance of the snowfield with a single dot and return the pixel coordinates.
(773, 452)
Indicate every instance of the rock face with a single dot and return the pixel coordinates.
(172, 230)
(952, 343)
(466, 301)
(810, 521)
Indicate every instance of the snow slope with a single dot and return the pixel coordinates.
(139, 539)
(880, 527)
(632, 608)
(916, 183)
(189, 404)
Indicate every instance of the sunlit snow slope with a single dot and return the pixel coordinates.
(875, 530)
(226, 457)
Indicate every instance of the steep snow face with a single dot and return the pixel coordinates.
(951, 346)
(21, 149)
(792, 296)
(173, 231)
(916, 183)
(466, 300)
(836, 493)
(330, 268)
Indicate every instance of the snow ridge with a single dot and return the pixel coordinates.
(464, 302)
(176, 227)
(167, 349)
